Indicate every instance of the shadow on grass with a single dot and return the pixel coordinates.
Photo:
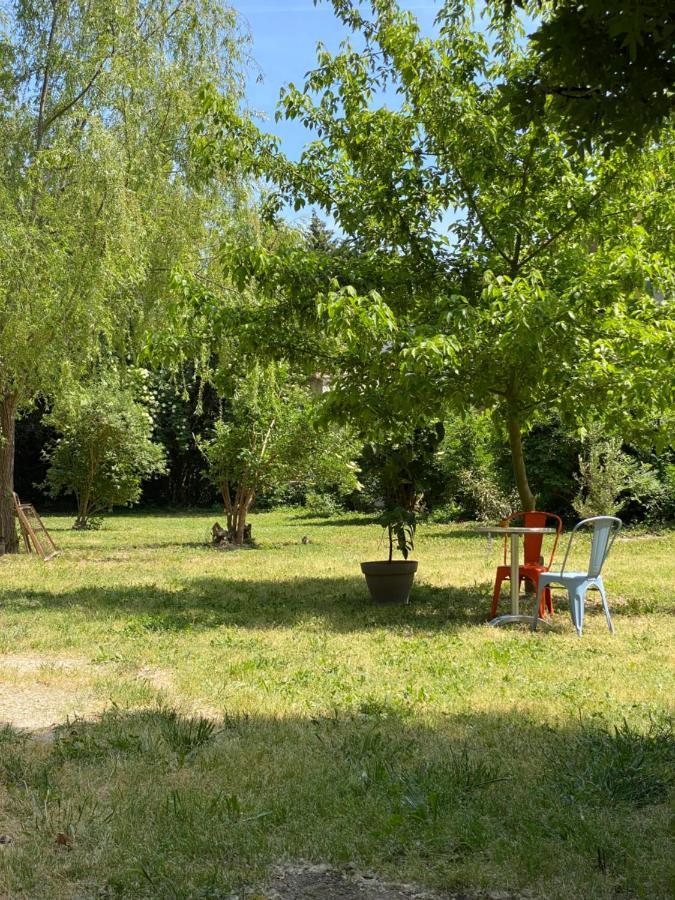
(433, 531)
(319, 521)
(342, 604)
(198, 807)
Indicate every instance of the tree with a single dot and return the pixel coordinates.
(604, 69)
(269, 438)
(97, 197)
(104, 448)
(497, 271)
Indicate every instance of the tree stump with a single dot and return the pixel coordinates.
(224, 539)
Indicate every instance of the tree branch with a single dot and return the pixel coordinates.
(473, 206)
(79, 96)
(40, 127)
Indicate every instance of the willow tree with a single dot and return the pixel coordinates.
(505, 273)
(97, 101)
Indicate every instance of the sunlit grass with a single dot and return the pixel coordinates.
(261, 709)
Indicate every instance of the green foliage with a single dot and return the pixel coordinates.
(609, 478)
(604, 69)
(497, 271)
(552, 453)
(475, 470)
(405, 466)
(99, 198)
(323, 505)
(104, 449)
(96, 188)
(401, 525)
(185, 407)
(268, 438)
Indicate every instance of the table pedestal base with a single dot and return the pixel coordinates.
(510, 618)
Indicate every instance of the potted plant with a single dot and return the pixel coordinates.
(390, 581)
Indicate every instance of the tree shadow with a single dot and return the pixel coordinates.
(319, 521)
(342, 604)
(223, 800)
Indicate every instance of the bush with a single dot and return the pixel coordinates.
(104, 448)
(323, 505)
(476, 469)
(268, 442)
(611, 480)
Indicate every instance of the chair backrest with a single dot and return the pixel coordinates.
(533, 542)
(605, 530)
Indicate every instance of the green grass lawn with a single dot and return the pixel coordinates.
(229, 711)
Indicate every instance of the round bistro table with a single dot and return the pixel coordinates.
(515, 534)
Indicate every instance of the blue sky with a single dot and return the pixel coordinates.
(285, 34)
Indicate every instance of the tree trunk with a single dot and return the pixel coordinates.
(227, 506)
(236, 509)
(84, 503)
(7, 430)
(245, 498)
(519, 470)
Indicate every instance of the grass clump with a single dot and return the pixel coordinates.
(621, 765)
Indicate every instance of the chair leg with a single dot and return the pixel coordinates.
(538, 603)
(576, 596)
(603, 595)
(545, 600)
(495, 595)
(548, 597)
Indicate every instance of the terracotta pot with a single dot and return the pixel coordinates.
(390, 582)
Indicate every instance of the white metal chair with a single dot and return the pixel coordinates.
(605, 530)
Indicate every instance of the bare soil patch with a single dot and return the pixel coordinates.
(24, 662)
(323, 882)
(33, 695)
(35, 706)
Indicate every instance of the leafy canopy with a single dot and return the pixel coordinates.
(495, 269)
(604, 70)
(97, 198)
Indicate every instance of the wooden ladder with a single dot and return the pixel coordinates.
(35, 535)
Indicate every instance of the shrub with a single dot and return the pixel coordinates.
(477, 478)
(269, 440)
(610, 479)
(323, 505)
(104, 448)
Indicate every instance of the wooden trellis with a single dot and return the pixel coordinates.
(35, 536)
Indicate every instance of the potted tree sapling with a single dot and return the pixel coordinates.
(404, 467)
(391, 580)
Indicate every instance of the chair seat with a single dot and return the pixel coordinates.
(567, 576)
(523, 567)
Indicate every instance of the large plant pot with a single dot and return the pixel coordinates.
(390, 582)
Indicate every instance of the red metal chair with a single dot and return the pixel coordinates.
(533, 562)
